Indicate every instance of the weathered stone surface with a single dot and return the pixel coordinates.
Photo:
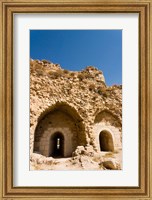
(79, 150)
(79, 105)
(40, 159)
(36, 157)
(111, 164)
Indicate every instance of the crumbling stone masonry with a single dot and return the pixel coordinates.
(71, 109)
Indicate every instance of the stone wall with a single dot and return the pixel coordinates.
(77, 104)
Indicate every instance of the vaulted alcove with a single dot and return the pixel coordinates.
(59, 131)
(107, 131)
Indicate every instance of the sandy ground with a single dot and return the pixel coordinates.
(80, 162)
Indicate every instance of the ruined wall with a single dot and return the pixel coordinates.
(82, 97)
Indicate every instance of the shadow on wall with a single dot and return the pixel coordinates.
(56, 145)
(106, 141)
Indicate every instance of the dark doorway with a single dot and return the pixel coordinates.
(57, 145)
(106, 141)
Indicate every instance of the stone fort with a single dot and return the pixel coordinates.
(71, 109)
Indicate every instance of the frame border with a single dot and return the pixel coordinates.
(8, 8)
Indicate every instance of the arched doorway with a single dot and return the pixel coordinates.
(106, 141)
(57, 145)
(60, 118)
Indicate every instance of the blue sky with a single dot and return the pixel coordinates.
(76, 49)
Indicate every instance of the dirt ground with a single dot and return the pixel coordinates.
(99, 161)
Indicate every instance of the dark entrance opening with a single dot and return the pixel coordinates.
(106, 141)
(57, 145)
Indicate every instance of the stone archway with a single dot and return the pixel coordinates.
(60, 122)
(106, 141)
(57, 145)
(107, 129)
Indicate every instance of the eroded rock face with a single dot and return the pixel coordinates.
(111, 164)
(76, 106)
